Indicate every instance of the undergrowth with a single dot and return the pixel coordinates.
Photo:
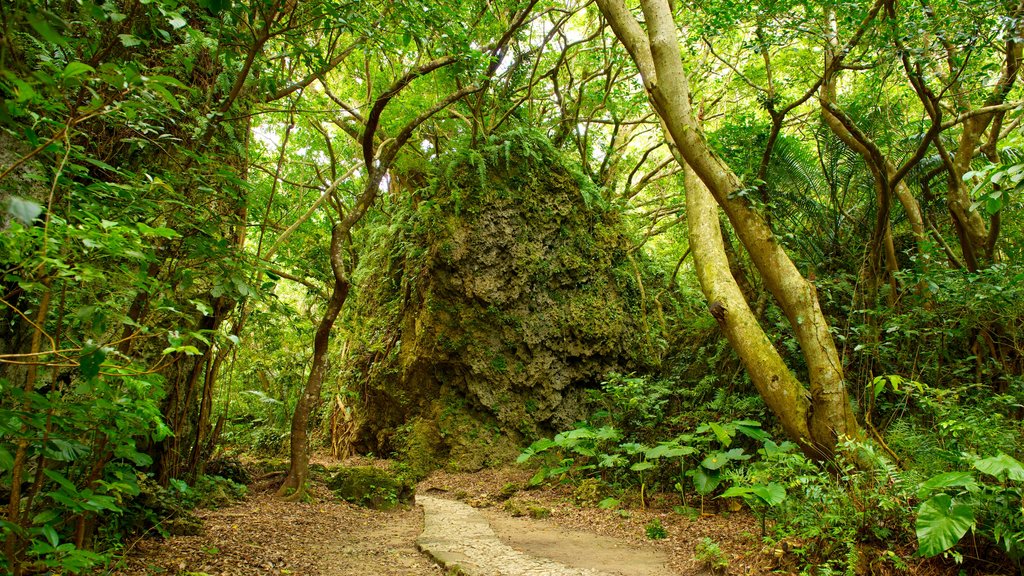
(947, 484)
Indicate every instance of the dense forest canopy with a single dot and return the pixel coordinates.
(440, 231)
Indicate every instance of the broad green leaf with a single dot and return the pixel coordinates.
(215, 6)
(737, 492)
(715, 460)
(532, 450)
(61, 480)
(129, 40)
(51, 535)
(175, 20)
(705, 481)
(160, 231)
(611, 460)
(752, 432)
(91, 361)
(608, 503)
(166, 81)
(1002, 466)
(77, 69)
(46, 516)
(40, 25)
(641, 466)
(772, 494)
(97, 502)
(669, 450)
(946, 480)
(633, 447)
(720, 432)
(737, 454)
(6, 460)
(941, 523)
(65, 451)
(166, 95)
(607, 433)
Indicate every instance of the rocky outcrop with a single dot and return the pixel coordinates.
(512, 295)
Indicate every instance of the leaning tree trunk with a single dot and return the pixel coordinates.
(299, 469)
(782, 392)
(657, 55)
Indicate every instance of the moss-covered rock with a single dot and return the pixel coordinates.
(229, 467)
(507, 292)
(371, 487)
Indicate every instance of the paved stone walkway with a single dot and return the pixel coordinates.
(457, 536)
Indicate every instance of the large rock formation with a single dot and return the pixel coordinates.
(510, 294)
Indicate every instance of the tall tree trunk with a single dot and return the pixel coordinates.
(657, 55)
(299, 469)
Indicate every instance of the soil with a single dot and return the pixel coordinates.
(264, 535)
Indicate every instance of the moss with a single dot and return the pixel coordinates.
(422, 446)
(475, 440)
(499, 364)
(371, 487)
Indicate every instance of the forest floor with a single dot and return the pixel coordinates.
(263, 535)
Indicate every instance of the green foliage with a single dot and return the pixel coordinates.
(831, 509)
(711, 555)
(632, 404)
(54, 434)
(699, 459)
(960, 502)
(655, 530)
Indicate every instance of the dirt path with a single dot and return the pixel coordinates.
(578, 548)
(264, 536)
(457, 535)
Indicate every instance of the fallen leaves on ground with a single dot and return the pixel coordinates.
(266, 536)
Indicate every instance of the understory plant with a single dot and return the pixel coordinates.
(72, 457)
(696, 459)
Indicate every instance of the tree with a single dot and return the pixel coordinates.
(827, 418)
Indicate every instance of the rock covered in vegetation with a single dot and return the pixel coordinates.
(372, 487)
(510, 291)
(231, 468)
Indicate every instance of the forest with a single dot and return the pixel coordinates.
(718, 260)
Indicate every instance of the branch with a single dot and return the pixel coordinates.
(318, 289)
(312, 209)
(319, 73)
(382, 101)
(982, 111)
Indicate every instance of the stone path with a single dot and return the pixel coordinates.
(457, 536)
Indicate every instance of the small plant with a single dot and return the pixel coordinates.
(760, 497)
(655, 530)
(708, 552)
(590, 491)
